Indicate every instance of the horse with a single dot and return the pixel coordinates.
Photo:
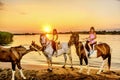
(14, 55)
(102, 50)
(49, 51)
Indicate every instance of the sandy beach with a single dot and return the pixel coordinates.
(39, 72)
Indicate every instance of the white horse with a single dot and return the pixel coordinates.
(48, 50)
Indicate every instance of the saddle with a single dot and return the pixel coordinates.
(54, 45)
(92, 45)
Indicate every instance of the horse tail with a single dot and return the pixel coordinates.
(109, 61)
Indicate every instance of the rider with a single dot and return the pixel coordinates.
(55, 35)
(55, 40)
(91, 39)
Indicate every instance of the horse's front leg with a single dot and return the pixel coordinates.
(20, 69)
(65, 58)
(13, 70)
(87, 65)
(49, 61)
(81, 62)
(70, 58)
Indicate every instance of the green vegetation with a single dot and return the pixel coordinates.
(104, 32)
(98, 32)
(5, 38)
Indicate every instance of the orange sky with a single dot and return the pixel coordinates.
(64, 15)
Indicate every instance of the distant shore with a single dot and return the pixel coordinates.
(39, 72)
(80, 32)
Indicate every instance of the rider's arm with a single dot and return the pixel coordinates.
(55, 37)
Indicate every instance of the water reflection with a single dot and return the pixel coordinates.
(35, 58)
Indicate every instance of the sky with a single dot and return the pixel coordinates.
(20, 16)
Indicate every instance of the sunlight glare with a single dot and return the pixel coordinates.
(47, 28)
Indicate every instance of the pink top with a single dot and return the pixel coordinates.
(92, 36)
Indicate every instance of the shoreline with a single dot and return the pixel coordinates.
(42, 66)
(39, 72)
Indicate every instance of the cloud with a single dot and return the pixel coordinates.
(1, 5)
(23, 13)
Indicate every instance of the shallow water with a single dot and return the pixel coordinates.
(35, 58)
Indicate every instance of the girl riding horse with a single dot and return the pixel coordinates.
(103, 50)
(91, 40)
(48, 50)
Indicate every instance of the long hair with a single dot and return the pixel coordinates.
(92, 28)
(55, 31)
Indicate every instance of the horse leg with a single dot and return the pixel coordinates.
(65, 58)
(70, 58)
(20, 69)
(49, 61)
(106, 65)
(101, 68)
(81, 62)
(13, 70)
(86, 61)
(88, 68)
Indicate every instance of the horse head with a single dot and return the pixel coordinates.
(35, 47)
(74, 38)
(43, 39)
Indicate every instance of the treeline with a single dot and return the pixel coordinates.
(5, 38)
(26, 33)
(80, 32)
(98, 32)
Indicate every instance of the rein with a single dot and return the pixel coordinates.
(36, 49)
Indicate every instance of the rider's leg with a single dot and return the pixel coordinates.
(89, 44)
(58, 46)
(91, 50)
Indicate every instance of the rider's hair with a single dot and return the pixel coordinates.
(55, 31)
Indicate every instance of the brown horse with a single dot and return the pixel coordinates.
(103, 50)
(79, 48)
(14, 55)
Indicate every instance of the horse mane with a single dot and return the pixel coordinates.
(20, 46)
(19, 49)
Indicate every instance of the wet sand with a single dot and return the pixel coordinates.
(39, 72)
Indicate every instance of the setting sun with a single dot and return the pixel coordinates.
(47, 28)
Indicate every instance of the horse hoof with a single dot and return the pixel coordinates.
(71, 67)
(80, 71)
(98, 72)
(49, 70)
(24, 78)
(88, 73)
(63, 67)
